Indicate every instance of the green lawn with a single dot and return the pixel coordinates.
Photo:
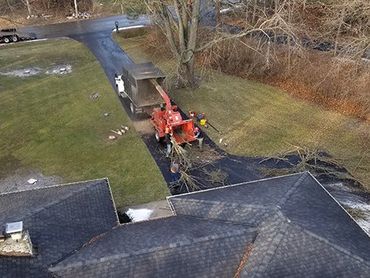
(50, 123)
(260, 120)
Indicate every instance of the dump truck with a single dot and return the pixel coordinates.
(134, 84)
(141, 84)
(12, 35)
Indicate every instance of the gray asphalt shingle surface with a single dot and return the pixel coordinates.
(313, 209)
(302, 230)
(177, 246)
(60, 219)
(280, 227)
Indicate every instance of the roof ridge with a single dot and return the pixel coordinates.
(112, 199)
(289, 193)
(221, 221)
(339, 204)
(233, 185)
(57, 201)
(335, 246)
(52, 186)
(220, 235)
(230, 203)
(282, 229)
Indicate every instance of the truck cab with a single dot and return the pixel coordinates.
(120, 85)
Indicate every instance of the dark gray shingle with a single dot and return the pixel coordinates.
(170, 247)
(312, 208)
(282, 227)
(279, 207)
(60, 219)
(301, 254)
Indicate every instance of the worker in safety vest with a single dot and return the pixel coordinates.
(201, 118)
(167, 140)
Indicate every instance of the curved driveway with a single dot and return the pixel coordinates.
(96, 34)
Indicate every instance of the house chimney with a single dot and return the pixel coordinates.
(14, 230)
(15, 241)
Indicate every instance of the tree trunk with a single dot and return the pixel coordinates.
(28, 7)
(192, 41)
(218, 13)
(254, 11)
(181, 32)
(76, 8)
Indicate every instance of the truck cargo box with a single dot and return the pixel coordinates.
(138, 87)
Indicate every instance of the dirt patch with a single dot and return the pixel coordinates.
(33, 71)
(26, 72)
(144, 127)
(60, 70)
(18, 180)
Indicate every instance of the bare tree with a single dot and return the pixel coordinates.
(181, 29)
(27, 3)
(180, 24)
(76, 8)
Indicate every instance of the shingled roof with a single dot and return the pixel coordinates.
(279, 227)
(59, 219)
(303, 230)
(179, 246)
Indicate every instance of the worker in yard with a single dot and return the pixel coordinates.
(201, 117)
(175, 171)
(167, 140)
(198, 135)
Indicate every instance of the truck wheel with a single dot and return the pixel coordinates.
(15, 38)
(157, 137)
(6, 40)
(132, 108)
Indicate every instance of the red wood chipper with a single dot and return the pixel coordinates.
(140, 84)
(168, 116)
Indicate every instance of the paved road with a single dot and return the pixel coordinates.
(96, 34)
(84, 27)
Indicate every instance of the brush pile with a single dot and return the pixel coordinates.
(196, 167)
(318, 162)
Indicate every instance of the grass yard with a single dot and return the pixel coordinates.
(259, 120)
(50, 123)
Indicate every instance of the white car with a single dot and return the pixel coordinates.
(120, 85)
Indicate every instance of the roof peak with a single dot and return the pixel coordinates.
(236, 185)
(54, 186)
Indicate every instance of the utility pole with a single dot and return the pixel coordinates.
(76, 8)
